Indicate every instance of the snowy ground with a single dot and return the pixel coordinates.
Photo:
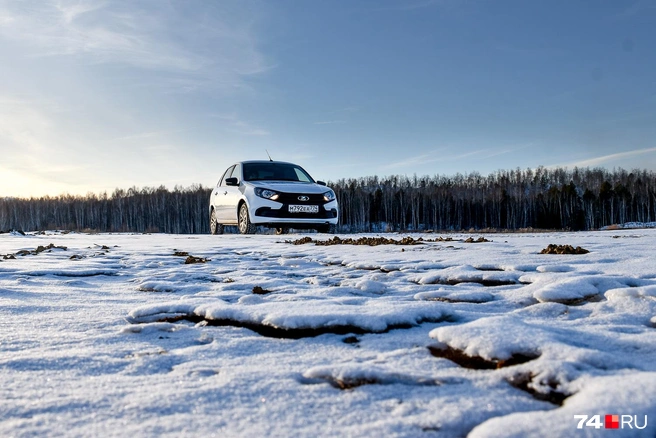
(116, 336)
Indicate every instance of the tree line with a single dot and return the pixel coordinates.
(181, 210)
(577, 199)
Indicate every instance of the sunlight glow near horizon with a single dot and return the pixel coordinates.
(100, 95)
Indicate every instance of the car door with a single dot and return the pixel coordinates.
(231, 196)
(219, 200)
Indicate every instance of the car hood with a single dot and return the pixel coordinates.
(290, 186)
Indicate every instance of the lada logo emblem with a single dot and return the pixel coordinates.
(303, 198)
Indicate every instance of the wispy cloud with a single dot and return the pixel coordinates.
(23, 128)
(609, 158)
(442, 155)
(337, 116)
(330, 122)
(347, 109)
(234, 124)
(507, 150)
(526, 51)
(477, 153)
(211, 41)
(146, 135)
(638, 7)
(413, 161)
(33, 147)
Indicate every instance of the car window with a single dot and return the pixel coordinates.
(236, 173)
(275, 172)
(225, 176)
(302, 176)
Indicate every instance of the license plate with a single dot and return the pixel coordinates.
(304, 209)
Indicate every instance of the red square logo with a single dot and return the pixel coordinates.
(612, 421)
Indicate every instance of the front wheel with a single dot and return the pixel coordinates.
(245, 225)
(328, 228)
(215, 227)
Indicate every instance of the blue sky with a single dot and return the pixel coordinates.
(101, 94)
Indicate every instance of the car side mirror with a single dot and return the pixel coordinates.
(321, 183)
(232, 182)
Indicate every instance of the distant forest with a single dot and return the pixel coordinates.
(578, 199)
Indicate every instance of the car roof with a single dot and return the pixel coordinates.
(264, 162)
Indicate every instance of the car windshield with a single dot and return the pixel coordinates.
(275, 172)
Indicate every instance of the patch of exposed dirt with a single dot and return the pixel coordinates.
(455, 300)
(563, 249)
(490, 282)
(39, 249)
(596, 298)
(261, 291)
(489, 269)
(350, 382)
(145, 353)
(300, 333)
(367, 241)
(479, 240)
(84, 274)
(548, 391)
(347, 383)
(154, 289)
(351, 340)
(190, 260)
(375, 241)
(477, 362)
(181, 254)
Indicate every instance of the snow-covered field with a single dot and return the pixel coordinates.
(117, 336)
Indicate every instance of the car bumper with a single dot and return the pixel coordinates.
(278, 214)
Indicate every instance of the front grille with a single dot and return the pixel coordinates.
(292, 198)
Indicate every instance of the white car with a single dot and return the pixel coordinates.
(274, 194)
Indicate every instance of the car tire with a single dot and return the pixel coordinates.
(282, 231)
(329, 228)
(245, 225)
(215, 227)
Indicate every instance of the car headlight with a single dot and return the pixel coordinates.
(267, 194)
(329, 196)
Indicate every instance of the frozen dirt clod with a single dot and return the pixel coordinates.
(477, 362)
(547, 391)
(563, 249)
(479, 240)
(270, 331)
(258, 290)
(190, 260)
(366, 241)
(39, 249)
